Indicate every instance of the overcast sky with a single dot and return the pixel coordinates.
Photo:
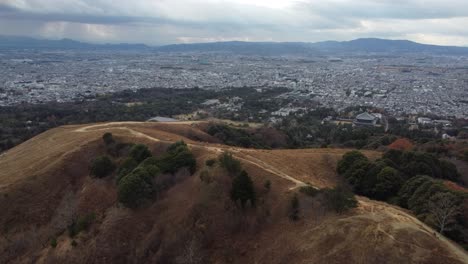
(157, 22)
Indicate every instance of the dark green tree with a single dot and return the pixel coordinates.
(135, 188)
(140, 152)
(388, 183)
(409, 187)
(108, 138)
(243, 189)
(178, 156)
(356, 174)
(393, 155)
(102, 166)
(128, 165)
(348, 160)
(340, 199)
(449, 171)
(228, 162)
(418, 201)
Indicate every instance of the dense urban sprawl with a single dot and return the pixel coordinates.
(409, 84)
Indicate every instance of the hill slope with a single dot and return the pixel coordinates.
(45, 186)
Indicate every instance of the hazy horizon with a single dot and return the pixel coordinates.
(207, 42)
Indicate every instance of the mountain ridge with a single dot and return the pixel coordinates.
(360, 45)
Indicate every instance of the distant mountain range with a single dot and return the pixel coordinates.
(363, 45)
(7, 42)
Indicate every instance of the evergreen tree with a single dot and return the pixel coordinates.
(242, 189)
(102, 166)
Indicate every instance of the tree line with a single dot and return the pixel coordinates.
(412, 180)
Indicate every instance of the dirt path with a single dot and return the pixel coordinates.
(267, 167)
(454, 248)
(247, 158)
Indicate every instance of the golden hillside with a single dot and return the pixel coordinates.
(45, 185)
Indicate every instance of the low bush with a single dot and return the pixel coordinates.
(178, 156)
(340, 199)
(210, 162)
(243, 189)
(81, 224)
(53, 242)
(348, 160)
(139, 177)
(267, 185)
(140, 152)
(108, 139)
(102, 166)
(128, 165)
(228, 162)
(205, 177)
(135, 188)
(309, 190)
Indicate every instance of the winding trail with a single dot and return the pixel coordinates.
(237, 153)
(246, 158)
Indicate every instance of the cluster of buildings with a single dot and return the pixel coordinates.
(411, 84)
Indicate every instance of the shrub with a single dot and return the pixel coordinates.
(418, 201)
(102, 166)
(149, 162)
(127, 166)
(340, 199)
(356, 174)
(178, 156)
(348, 160)
(205, 177)
(210, 162)
(267, 185)
(242, 189)
(401, 144)
(449, 171)
(108, 138)
(53, 242)
(393, 155)
(309, 190)
(173, 147)
(294, 209)
(85, 221)
(73, 243)
(228, 162)
(81, 224)
(410, 186)
(388, 183)
(140, 152)
(135, 188)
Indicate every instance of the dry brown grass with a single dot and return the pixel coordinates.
(44, 184)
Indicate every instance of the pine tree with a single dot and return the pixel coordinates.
(243, 189)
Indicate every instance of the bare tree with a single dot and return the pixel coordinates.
(443, 210)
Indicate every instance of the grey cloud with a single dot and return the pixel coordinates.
(165, 21)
